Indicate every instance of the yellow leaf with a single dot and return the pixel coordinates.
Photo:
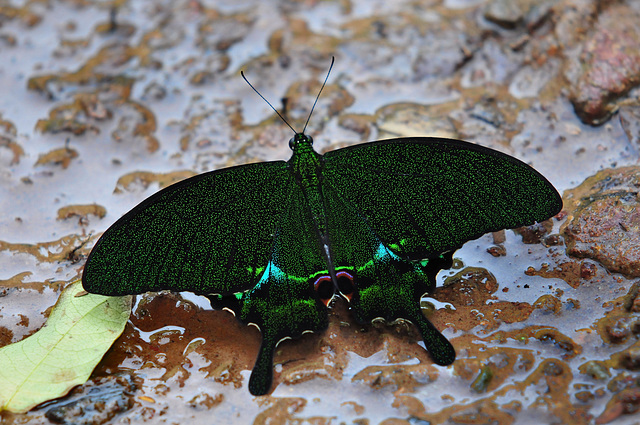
(64, 352)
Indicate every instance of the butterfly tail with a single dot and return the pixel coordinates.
(262, 373)
(282, 306)
(439, 347)
(391, 289)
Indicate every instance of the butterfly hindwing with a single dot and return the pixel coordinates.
(430, 195)
(396, 206)
(212, 233)
(384, 285)
(285, 302)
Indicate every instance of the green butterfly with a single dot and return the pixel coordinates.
(372, 223)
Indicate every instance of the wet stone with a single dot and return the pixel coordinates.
(483, 380)
(488, 112)
(497, 250)
(441, 53)
(619, 330)
(506, 13)
(605, 225)
(408, 120)
(70, 211)
(204, 401)
(552, 368)
(534, 233)
(567, 346)
(510, 14)
(631, 300)
(610, 63)
(399, 377)
(585, 396)
(552, 240)
(630, 359)
(548, 303)
(630, 120)
(587, 270)
(596, 369)
(539, 12)
(484, 122)
(96, 402)
(573, 20)
(471, 287)
(624, 403)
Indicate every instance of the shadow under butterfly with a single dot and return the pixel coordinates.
(373, 223)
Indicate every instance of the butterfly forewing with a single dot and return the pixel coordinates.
(212, 233)
(424, 196)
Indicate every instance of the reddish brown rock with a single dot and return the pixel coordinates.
(609, 63)
(625, 402)
(605, 225)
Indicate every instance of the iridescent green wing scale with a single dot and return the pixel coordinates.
(397, 207)
(242, 229)
(383, 284)
(212, 233)
(285, 303)
(425, 196)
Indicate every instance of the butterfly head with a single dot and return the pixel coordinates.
(300, 140)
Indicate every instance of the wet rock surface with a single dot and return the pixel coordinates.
(609, 63)
(605, 225)
(97, 402)
(105, 103)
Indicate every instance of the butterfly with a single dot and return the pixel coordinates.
(276, 241)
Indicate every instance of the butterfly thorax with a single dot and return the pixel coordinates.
(306, 165)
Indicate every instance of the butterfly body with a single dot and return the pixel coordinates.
(372, 223)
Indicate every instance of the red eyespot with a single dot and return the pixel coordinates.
(345, 284)
(324, 288)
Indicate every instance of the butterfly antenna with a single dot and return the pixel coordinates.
(333, 59)
(274, 109)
